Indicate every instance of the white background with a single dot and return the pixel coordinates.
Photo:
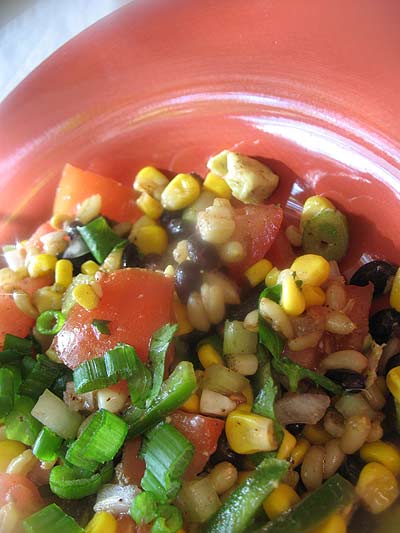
(31, 30)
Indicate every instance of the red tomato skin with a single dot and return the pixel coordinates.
(359, 306)
(256, 228)
(12, 320)
(20, 490)
(118, 201)
(281, 253)
(136, 302)
(309, 358)
(203, 432)
(133, 466)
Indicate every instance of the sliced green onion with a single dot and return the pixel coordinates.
(121, 362)
(167, 454)
(6, 391)
(264, 403)
(99, 441)
(17, 344)
(27, 363)
(169, 520)
(91, 375)
(52, 412)
(159, 345)
(47, 445)
(102, 326)
(51, 519)
(140, 385)
(334, 495)
(272, 293)
(144, 508)
(175, 390)
(20, 424)
(60, 383)
(239, 508)
(41, 377)
(67, 483)
(50, 322)
(99, 238)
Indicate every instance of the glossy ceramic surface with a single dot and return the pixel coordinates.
(311, 86)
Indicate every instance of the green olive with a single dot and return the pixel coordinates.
(326, 234)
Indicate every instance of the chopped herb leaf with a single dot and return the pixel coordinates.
(101, 325)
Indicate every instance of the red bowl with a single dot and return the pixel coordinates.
(310, 86)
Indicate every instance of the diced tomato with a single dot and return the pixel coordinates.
(136, 302)
(256, 228)
(133, 466)
(125, 524)
(281, 252)
(21, 491)
(308, 358)
(203, 432)
(358, 310)
(30, 285)
(118, 201)
(12, 320)
(43, 229)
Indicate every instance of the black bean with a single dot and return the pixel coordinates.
(178, 228)
(151, 261)
(249, 303)
(383, 324)
(130, 256)
(380, 273)
(351, 468)
(392, 363)
(202, 253)
(72, 228)
(224, 453)
(349, 380)
(187, 279)
(295, 429)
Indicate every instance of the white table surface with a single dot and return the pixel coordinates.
(31, 30)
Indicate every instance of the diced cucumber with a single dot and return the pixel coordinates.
(237, 339)
(220, 379)
(326, 234)
(335, 494)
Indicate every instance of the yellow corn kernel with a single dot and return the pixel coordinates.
(311, 269)
(63, 273)
(208, 356)
(151, 240)
(334, 524)
(382, 452)
(298, 452)
(248, 393)
(150, 207)
(250, 433)
(257, 272)
(57, 221)
(312, 206)
(287, 445)
(184, 326)
(271, 278)
(9, 450)
(150, 180)
(393, 382)
(192, 404)
(316, 434)
(244, 407)
(395, 292)
(180, 192)
(313, 295)
(102, 522)
(142, 222)
(377, 487)
(292, 299)
(89, 268)
(47, 298)
(41, 264)
(283, 498)
(217, 186)
(85, 296)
